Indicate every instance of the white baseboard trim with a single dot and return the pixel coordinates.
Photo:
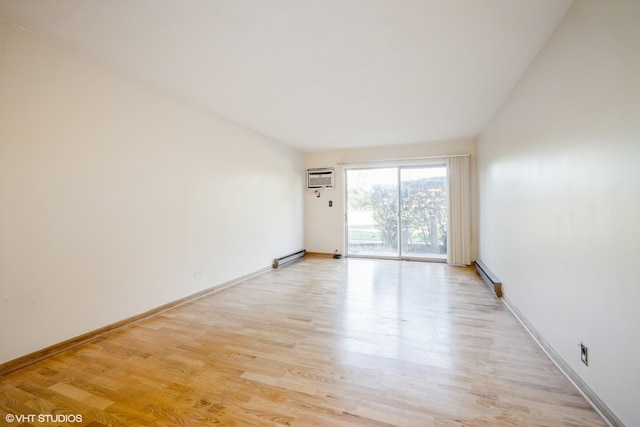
(598, 405)
(36, 356)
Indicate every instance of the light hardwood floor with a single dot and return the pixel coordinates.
(320, 342)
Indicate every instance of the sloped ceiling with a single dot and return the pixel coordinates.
(315, 74)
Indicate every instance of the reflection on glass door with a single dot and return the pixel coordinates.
(372, 212)
(397, 212)
(423, 212)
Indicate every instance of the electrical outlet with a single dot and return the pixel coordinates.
(584, 354)
(197, 272)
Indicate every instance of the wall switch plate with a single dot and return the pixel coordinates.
(330, 203)
(584, 354)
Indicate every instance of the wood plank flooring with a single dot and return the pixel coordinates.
(321, 342)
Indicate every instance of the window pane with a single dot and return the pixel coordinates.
(424, 212)
(372, 212)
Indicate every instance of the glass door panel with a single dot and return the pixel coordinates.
(423, 212)
(372, 212)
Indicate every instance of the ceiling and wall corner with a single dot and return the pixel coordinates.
(317, 74)
(116, 197)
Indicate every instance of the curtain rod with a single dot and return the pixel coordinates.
(406, 159)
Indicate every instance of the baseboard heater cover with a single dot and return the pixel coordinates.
(489, 278)
(278, 262)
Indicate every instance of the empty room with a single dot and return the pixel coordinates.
(319, 213)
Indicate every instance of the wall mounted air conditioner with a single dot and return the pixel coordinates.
(321, 178)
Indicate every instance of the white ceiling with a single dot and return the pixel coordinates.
(315, 74)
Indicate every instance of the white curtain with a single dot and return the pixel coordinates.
(459, 234)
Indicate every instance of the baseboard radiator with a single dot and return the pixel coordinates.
(279, 262)
(489, 278)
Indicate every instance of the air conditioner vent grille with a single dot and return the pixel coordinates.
(320, 179)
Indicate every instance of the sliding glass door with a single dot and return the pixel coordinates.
(423, 212)
(372, 212)
(397, 212)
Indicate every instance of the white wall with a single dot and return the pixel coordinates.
(324, 226)
(559, 193)
(113, 193)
